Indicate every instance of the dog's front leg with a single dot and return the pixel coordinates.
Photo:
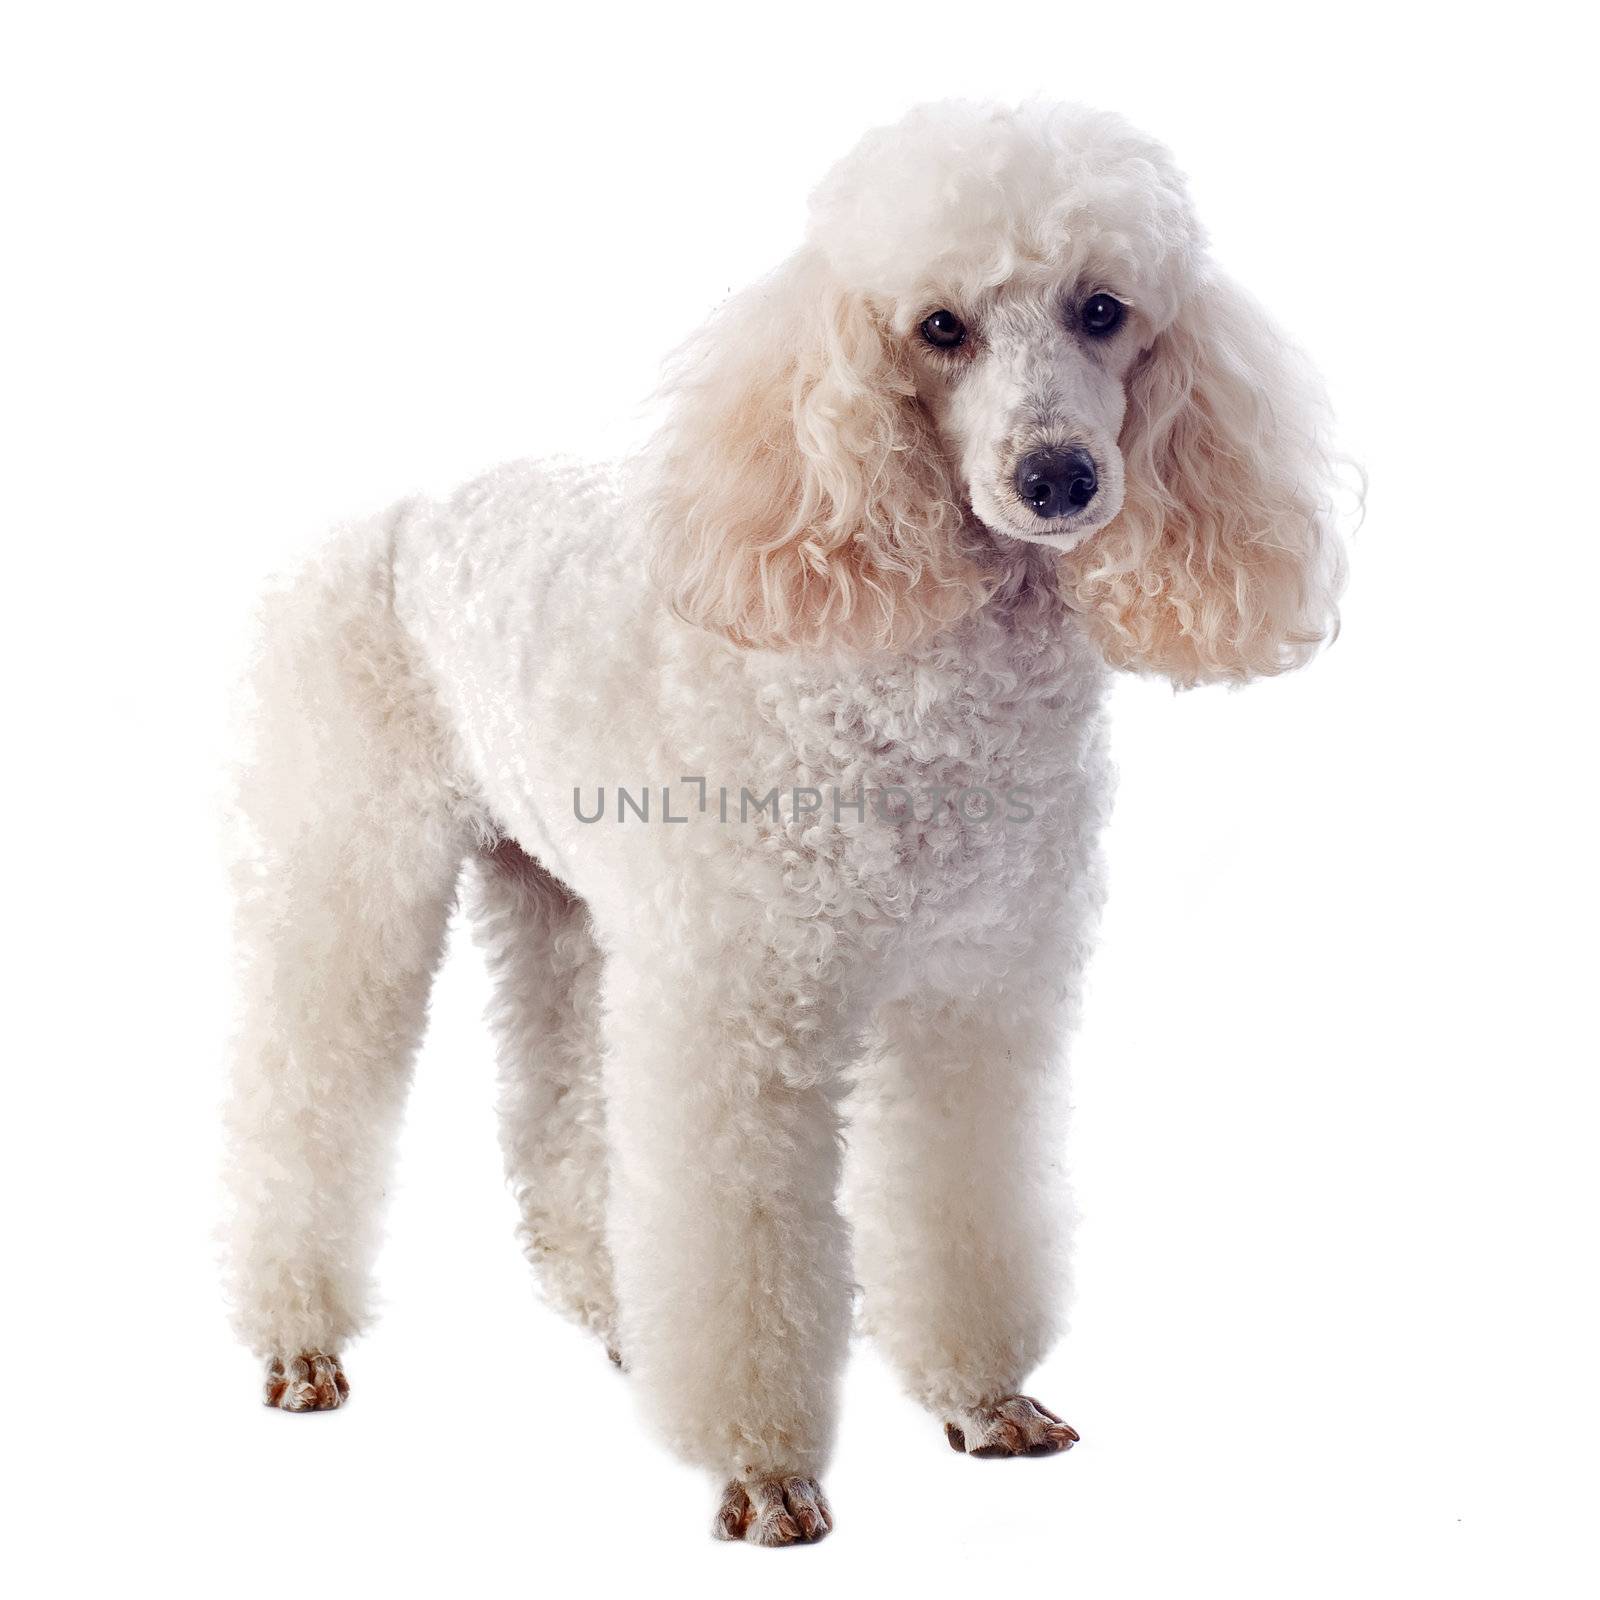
(955, 1197)
(731, 1258)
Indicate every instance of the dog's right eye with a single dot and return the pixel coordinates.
(944, 330)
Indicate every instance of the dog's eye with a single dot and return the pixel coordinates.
(1102, 314)
(944, 330)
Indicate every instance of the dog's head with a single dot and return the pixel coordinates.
(1002, 332)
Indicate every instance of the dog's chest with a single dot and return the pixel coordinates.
(953, 789)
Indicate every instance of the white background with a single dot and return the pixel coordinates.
(1335, 1098)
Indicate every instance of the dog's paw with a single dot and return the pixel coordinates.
(774, 1511)
(1014, 1426)
(310, 1381)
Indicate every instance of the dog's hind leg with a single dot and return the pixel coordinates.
(353, 840)
(546, 966)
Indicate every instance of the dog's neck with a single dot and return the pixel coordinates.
(1026, 578)
(1026, 632)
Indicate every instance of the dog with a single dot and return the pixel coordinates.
(777, 761)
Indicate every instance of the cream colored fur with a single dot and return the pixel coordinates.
(819, 580)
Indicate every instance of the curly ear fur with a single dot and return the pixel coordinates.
(1223, 564)
(803, 497)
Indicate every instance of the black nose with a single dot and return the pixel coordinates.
(1055, 483)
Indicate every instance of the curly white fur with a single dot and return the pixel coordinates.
(819, 579)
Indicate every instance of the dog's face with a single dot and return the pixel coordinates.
(1026, 388)
(1003, 331)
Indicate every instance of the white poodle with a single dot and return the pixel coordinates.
(779, 760)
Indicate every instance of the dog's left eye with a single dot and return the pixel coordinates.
(1102, 314)
(944, 330)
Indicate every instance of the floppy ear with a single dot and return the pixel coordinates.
(803, 497)
(1223, 563)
